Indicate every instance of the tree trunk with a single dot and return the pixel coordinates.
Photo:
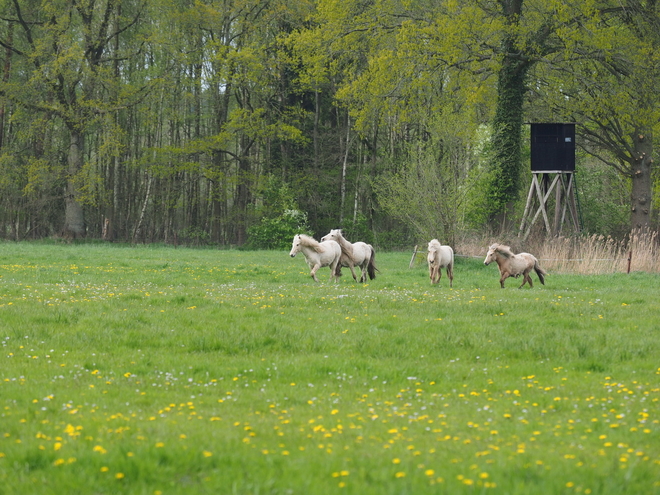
(508, 121)
(642, 182)
(243, 188)
(343, 170)
(5, 79)
(315, 133)
(138, 228)
(74, 222)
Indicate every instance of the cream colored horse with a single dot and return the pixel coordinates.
(440, 257)
(514, 265)
(354, 254)
(317, 254)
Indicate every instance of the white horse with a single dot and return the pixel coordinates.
(514, 265)
(440, 257)
(354, 254)
(317, 254)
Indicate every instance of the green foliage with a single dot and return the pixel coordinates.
(197, 100)
(280, 218)
(604, 200)
(358, 230)
(194, 236)
(429, 189)
(278, 232)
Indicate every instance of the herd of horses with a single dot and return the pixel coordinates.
(335, 251)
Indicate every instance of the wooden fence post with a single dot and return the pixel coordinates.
(412, 261)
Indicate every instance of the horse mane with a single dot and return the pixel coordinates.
(346, 246)
(434, 244)
(503, 250)
(311, 242)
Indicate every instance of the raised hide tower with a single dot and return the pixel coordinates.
(552, 191)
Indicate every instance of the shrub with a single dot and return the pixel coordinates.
(278, 232)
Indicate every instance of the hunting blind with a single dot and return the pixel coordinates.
(553, 169)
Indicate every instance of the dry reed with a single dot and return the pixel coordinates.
(595, 254)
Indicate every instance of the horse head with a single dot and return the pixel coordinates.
(432, 249)
(333, 235)
(295, 248)
(490, 256)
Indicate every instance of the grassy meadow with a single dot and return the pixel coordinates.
(154, 370)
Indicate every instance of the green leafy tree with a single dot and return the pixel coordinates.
(603, 78)
(280, 218)
(65, 51)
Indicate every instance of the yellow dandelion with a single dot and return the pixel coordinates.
(119, 476)
(400, 474)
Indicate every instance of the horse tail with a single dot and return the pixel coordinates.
(371, 266)
(339, 264)
(539, 271)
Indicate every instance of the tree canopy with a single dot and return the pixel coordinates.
(175, 121)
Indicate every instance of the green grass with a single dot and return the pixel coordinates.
(160, 370)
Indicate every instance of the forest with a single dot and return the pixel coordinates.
(243, 122)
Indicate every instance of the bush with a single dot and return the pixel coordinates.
(278, 232)
(279, 217)
(358, 230)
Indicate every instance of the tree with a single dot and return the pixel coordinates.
(609, 90)
(64, 46)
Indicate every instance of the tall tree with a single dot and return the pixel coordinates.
(66, 43)
(604, 78)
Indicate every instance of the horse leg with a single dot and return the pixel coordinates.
(361, 277)
(526, 280)
(335, 271)
(314, 270)
(450, 274)
(504, 276)
(350, 266)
